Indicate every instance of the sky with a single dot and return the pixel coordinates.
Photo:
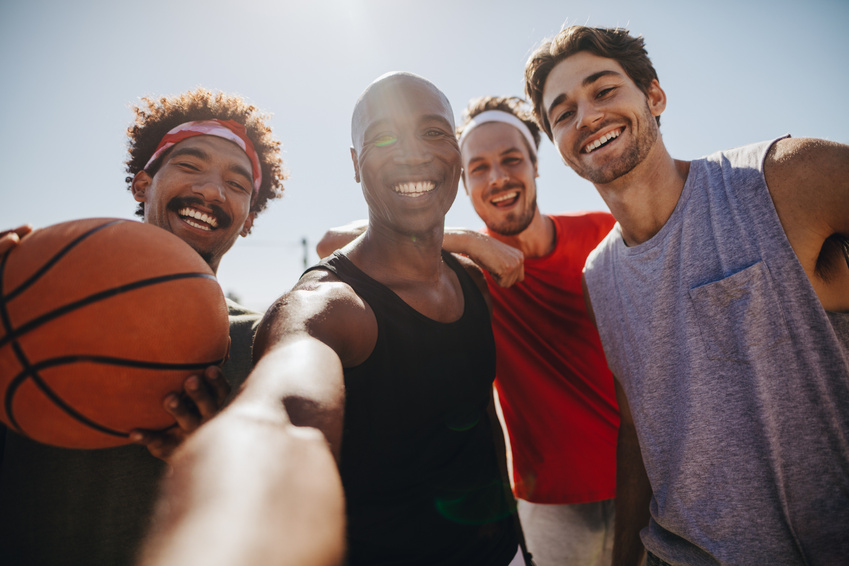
(734, 72)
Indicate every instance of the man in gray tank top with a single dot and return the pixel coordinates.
(722, 300)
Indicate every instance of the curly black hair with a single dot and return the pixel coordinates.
(155, 117)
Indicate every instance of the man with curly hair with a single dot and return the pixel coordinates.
(202, 165)
(722, 301)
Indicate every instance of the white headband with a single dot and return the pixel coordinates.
(499, 116)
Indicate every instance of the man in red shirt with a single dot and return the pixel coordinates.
(554, 386)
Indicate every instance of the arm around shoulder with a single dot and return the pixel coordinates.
(505, 263)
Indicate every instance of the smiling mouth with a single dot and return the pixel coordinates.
(506, 199)
(198, 219)
(415, 189)
(602, 141)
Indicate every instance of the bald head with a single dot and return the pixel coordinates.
(392, 93)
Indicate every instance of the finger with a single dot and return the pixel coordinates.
(215, 380)
(203, 395)
(183, 410)
(8, 241)
(160, 445)
(11, 238)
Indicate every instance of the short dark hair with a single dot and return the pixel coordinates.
(155, 117)
(612, 43)
(510, 104)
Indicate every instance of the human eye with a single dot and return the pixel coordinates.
(384, 140)
(605, 91)
(185, 164)
(239, 186)
(562, 116)
(435, 133)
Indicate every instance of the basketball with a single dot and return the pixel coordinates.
(99, 320)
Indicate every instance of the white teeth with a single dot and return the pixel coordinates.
(416, 189)
(202, 216)
(606, 137)
(505, 196)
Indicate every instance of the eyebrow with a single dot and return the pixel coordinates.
(507, 151)
(204, 156)
(590, 79)
(382, 123)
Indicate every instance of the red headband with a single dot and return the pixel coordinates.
(227, 129)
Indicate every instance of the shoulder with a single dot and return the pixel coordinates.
(791, 161)
(476, 273)
(235, 309)
(808, 175)
(591, 220)
(324, 307)
(797, 164)
(786, 151)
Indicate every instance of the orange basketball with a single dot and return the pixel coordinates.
(99, 320)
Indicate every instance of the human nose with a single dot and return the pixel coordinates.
(588, 115)
(211, 188)
(497, 176)
(411, 151)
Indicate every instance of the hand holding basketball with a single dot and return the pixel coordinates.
(203, 397)
(99, 320)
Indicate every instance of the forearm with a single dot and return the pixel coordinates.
(463, 241)
(633, 494)
(339, 237)
(503, 262)
(248, 488)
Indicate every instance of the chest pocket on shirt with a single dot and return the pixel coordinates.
(740, 317)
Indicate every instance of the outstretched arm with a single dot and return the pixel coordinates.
(258, 483)
(249, 488)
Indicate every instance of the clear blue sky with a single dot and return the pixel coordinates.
(734, 72)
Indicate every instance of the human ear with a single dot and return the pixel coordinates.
(249, 223)
(465, 186)
(356, 165)
(140, 184)
(656, 98)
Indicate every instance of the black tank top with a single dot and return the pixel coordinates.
(418, 460)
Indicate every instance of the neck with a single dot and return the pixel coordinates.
(536, 240)
(643, 199)
(387, 254)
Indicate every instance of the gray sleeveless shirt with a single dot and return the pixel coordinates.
(738, 380)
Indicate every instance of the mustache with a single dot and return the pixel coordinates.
(511, 185)
(224, 219)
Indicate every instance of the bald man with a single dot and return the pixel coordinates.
(386, 348)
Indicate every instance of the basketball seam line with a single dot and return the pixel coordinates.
(63, 310)
(53, 260)
(31, 373)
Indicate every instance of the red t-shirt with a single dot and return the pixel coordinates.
(554, 386)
